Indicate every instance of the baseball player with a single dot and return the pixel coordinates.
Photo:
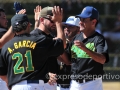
(88, 52)
(24, 57)
(3, 30)
(51, 64)
(47, 28)
(71, 28)
(3, 24)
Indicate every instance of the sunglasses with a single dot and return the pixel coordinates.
(49, 19)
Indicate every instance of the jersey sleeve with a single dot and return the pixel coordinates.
(102, 48)
(56, 47)
(3, 67)
(49, 46)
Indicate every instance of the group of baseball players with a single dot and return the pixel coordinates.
(72, 49)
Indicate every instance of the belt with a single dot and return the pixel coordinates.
(33, 81)
(83, 80)
(64, 85)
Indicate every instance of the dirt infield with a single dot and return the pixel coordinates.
(111, 85)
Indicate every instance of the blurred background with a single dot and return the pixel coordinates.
(109, 26)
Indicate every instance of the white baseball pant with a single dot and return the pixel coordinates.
(50, 87)
(60, 88)
(23, 85)
(90, 85)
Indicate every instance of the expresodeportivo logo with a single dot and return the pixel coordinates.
(107, 76)
(79, 53)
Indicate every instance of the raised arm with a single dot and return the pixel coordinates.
(36, 15)
(6, 37)
(57, 18)
(9, 34)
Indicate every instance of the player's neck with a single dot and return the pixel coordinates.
(87, 34)
(21, 32)
(44, 29)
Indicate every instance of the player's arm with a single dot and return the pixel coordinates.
(98, 57)
(64, 58)
(9, 34)
(36, 16)
(57, 18)
(6, 37)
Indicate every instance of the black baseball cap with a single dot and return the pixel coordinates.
(19, 19)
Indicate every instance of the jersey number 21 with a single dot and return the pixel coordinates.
(20, 69)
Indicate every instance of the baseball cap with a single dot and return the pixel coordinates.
(46, 11)
(89, 12)
(19, 21)
(72, 20)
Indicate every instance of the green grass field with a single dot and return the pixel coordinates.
(111, 85)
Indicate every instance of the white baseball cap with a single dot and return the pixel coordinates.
(72, 20)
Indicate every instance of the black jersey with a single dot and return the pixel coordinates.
(82, 64)
(64, 73)
(51, 63)
(24, 57)
(2, 32)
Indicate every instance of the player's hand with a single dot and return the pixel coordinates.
(37, 12)
(52, 78)
(22, 11)
(80, 44)
(17, 7)
(57, 14)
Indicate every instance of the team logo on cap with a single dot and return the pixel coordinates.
(16, 23)
(70, 19)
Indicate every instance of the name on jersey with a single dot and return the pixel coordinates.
(21, 44)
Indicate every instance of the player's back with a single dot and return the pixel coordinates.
(26, 56)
